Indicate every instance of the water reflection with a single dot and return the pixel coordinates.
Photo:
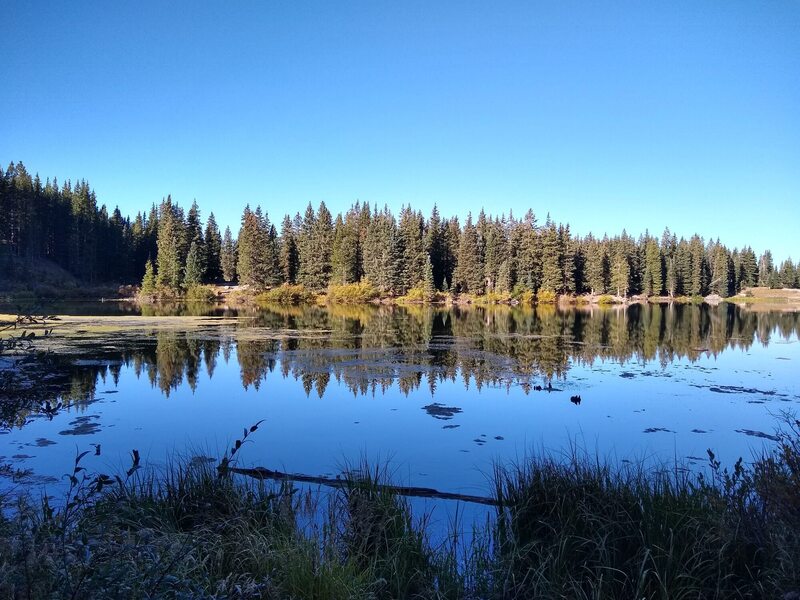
(367, 349)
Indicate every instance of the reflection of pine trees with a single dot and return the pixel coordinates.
(256, 359)
(367, 349)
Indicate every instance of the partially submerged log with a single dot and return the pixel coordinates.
(338, 482)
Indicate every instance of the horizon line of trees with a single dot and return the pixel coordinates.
(169, 248)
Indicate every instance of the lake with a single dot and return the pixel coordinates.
(438, 393)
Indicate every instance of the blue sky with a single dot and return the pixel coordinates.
(607, 115)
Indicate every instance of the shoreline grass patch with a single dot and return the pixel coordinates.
(563, 528)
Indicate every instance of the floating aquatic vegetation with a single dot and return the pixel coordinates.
(440, 411)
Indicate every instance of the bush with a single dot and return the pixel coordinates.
(546, 297)
(605, 299)
(287, 294)
(494, 298)
(415, 295)
(159, 294)
(522, 294)
(418, 295)
(201, 293)
(352, 293)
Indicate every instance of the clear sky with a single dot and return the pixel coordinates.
(605, 114)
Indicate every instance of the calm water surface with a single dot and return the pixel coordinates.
(441, 394)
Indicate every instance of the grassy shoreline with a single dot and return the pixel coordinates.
(363, 293)
(562, 529)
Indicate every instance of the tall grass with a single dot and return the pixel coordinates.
(576, 528)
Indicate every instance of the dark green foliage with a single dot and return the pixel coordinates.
(435, 246)
(172, 246)
(620, 271)
(428, 282)
(258, 261)
(698, 282)
(747, 273)
(345, 267)
(495, 254)
(551, 258)
(765, 269)
(788, 274)
(504, 277)
(64, 224)
(195, 268)
(149, 278)
(228, 256)
(289, 258)
(382, 254)
(315, 246)
(653, 283)
(469, 272)
(213, 256)
(597, 266)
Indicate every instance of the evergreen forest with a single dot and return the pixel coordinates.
(167, 247)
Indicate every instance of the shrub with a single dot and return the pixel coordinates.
(415, 295)
(159, 294)
(201, 293)
(494, 298)
(522, 294)
(546, 297)
(418, 295)
(287, 294)
(352, 293)
(605, 299)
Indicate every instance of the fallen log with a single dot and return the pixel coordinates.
(339, 482)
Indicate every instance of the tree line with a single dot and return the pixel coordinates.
(166, 247)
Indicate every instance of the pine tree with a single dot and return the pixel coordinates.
(289, 259)
(194, 226)
(495, 252)
(596, 267)
(434, 246)
(669, 250)
(345, 266)
(257, 264)
(428, 283)
(620, 271)
(213, 241)
(788, 274)
(720, 272)
(653, 280)
(567, 263)
(228, 256)
(315, 245)
(683, 264)
(552, 275)
(748, 269)
(450, 238)
(194, 266)
(246, 239)
(528, 261)
(504, 277)
(270, 271)
(410, 230)
(699, 267)
(469, 272)
(382, 254)
(149, 279)
(171, 240)
(765, 269)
